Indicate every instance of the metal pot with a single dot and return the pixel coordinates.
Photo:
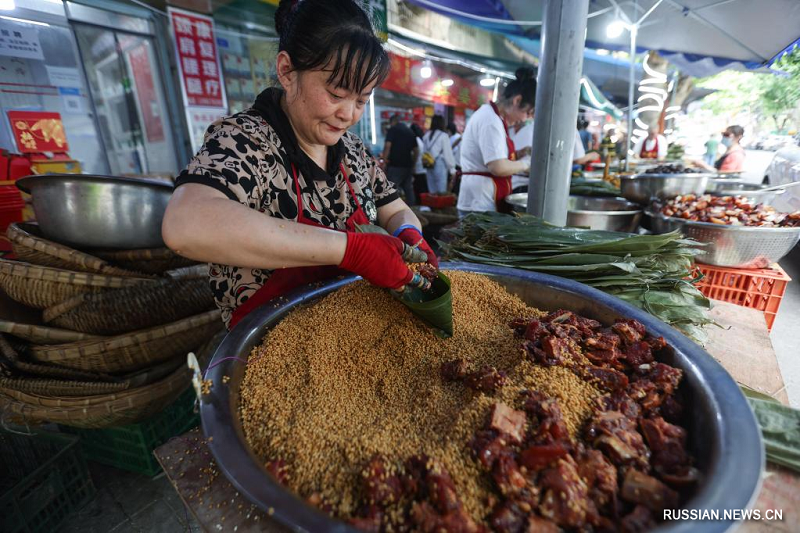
(600, 213)
(723, 434)
(87, 211)
(731, 246)
(643, 188)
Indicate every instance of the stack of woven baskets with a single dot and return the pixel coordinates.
(109, 347)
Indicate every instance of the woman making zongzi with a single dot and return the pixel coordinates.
(274, 197)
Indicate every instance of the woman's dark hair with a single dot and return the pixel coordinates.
(451, 127)
(524, 85)
(737, 131)
(437, 123)
(417, 130)
(335, 35)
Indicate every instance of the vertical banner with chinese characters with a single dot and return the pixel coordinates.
(199, 68)
(198, 63)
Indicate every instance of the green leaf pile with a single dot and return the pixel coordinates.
(780, 428)
(652, 272)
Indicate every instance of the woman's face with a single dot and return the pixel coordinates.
(320, 112)
(518, 112)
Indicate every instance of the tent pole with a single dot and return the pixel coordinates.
(631, 83)
(557, 95)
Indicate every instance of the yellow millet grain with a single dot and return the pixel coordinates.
(357, 374)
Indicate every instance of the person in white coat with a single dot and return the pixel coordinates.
(441, 164)
(488, 156)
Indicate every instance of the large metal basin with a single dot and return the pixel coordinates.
(723, 433)
(87, 211)
(643, 188)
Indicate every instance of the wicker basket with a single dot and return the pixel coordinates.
(41, 287)
(149, 261)
(123, 310)
(29, 246)
(57, 387)
(135, 350)
(41, 334)
(99, 411)
(78, 383)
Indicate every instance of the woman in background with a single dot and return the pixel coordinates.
(487, 151)
(436, 143)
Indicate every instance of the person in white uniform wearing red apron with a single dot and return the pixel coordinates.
(487, 151)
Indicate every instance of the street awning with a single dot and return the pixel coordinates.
(709, 34)
(593, 97)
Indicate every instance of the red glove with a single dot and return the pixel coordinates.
(376, 258)
(413, 237)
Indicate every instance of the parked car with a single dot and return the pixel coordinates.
(785, 168)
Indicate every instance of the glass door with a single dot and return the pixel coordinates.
(129, 98)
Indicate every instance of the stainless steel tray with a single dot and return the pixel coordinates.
(723, 434)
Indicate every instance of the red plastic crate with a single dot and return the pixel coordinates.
(760, 289)
(437, 201)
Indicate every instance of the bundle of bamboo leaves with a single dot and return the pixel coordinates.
(652, 272)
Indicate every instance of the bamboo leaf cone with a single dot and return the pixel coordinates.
(434, 306)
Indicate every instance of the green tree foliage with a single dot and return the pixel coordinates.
(774, 96)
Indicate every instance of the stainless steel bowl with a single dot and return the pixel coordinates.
(600, 213)
(87, 211)
(643, 188)
(732, 246)
(723, 434)
(609, 214)
(749, 190)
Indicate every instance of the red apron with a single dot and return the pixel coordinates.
(502, 184)
(649, 154)
(283, 280)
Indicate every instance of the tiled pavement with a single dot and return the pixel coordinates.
(130, 503)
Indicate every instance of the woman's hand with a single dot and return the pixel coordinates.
(376, 258)
(412, 236)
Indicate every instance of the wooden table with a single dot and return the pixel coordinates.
(743, 347)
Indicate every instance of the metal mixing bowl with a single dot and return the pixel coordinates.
(643, 188)
(732, 246)
(594, 212)
(88, 211)
(723, 434)
(749, 190)
(609, 214)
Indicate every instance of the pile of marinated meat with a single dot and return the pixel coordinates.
(728, 210)
(629, 463)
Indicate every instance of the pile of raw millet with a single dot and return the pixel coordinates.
(357, 377)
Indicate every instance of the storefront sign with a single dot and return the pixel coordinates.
(198, 62)
(37, 132)
(19, 42)
(146, 93)
(404, 78)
